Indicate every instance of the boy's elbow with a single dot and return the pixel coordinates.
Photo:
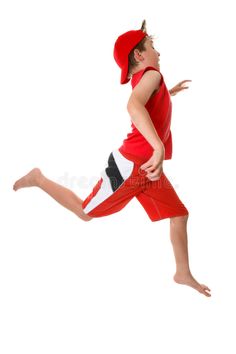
(129, 107)
(132, 107)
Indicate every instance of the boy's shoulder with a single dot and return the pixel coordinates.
(146, 74)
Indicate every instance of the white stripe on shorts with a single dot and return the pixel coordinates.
(125, 167)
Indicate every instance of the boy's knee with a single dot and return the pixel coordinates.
(86, 218)
(179, 219)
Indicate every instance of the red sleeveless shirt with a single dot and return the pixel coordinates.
(159, 107)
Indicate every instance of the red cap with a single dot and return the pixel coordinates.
(123, 46)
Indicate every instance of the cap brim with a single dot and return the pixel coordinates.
(124, 73)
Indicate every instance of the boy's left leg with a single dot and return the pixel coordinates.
(179, 239)
(62, 195)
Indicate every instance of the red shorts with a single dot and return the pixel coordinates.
(122, 180)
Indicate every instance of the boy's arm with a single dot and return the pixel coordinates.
(136, 108)
(148, 84)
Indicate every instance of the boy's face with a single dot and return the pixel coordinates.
(151, 55)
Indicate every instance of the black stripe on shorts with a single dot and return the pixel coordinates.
(113, 173)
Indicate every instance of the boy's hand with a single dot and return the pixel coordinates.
(153, 166)
(179, 87)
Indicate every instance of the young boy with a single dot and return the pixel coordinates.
(135, 169)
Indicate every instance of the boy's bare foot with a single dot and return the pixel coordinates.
(188, 279)
(33, 178)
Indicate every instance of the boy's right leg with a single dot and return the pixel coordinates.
(179, 239)
(61, 194)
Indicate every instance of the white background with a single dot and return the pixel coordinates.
(106, 286)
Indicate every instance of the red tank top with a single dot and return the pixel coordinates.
(159, 107)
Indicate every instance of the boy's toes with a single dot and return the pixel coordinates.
(15, 187)
(205, 290)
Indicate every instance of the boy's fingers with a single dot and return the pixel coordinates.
(182, 82)
(144, 166)
(156, 174)
(149, 166)
(150, 169)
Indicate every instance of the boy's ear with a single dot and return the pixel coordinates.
(143, 27)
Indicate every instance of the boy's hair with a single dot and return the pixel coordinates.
(141, 47)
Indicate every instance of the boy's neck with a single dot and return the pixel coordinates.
(140, 67)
